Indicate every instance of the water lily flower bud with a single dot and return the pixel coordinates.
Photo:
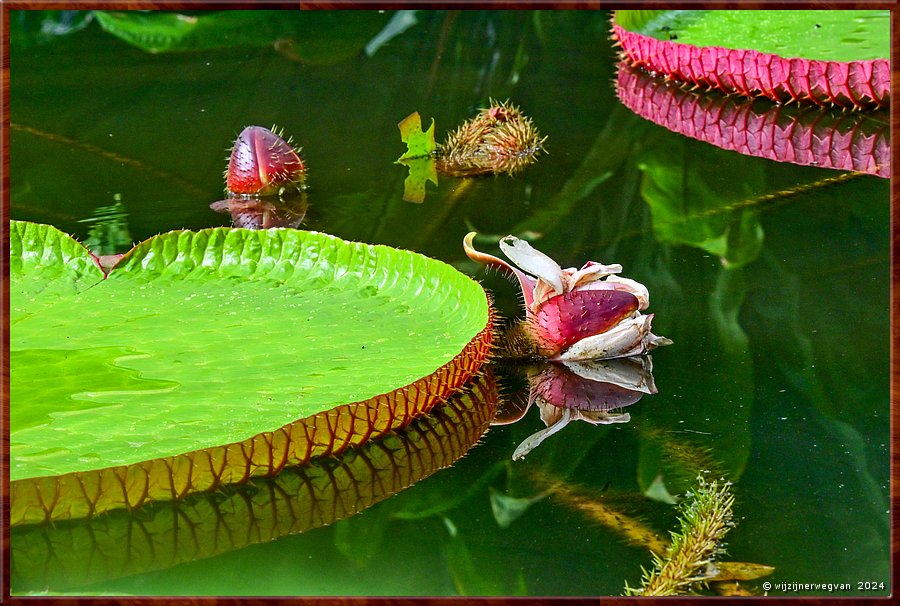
(262, 162)
(585, 314)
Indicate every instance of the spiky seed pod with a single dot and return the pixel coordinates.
(499, 139)
(261, 163)
(857, 84)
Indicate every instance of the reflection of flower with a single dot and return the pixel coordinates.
(583, 314)
(264, 212)
(594, 391)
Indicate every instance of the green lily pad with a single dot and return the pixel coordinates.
(208, 357)
(826, 35)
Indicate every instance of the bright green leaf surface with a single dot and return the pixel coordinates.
(827, 35)
(199, 339)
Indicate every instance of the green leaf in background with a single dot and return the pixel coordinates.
(833, 35)
(418, 157)
(258, 348)
(691, 204)
(318, 37)
(717, 439)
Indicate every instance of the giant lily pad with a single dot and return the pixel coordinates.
(826, 56)
(208, 357)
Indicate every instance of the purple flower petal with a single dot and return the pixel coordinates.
(564, 320)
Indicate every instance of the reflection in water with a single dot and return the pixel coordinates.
(299, 499)
(264, 212)
(108, 234)
(808, 136)
(593, 391)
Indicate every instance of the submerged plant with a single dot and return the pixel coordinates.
(108, 233)
(499, 139)
(585, 314)
(705, 518)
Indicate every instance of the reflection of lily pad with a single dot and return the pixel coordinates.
(826, 56)
(808, 136)
(282, 345)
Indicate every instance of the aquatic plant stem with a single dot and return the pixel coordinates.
(705, 518)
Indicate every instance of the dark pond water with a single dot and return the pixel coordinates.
(772, 279)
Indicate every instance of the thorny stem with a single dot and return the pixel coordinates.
(705, 518)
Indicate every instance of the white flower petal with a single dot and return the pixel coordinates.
(534, 440)
(533, 261)
(631, 373)
(526, 282)
(630, 337)
(591, 272)
(598, 417)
